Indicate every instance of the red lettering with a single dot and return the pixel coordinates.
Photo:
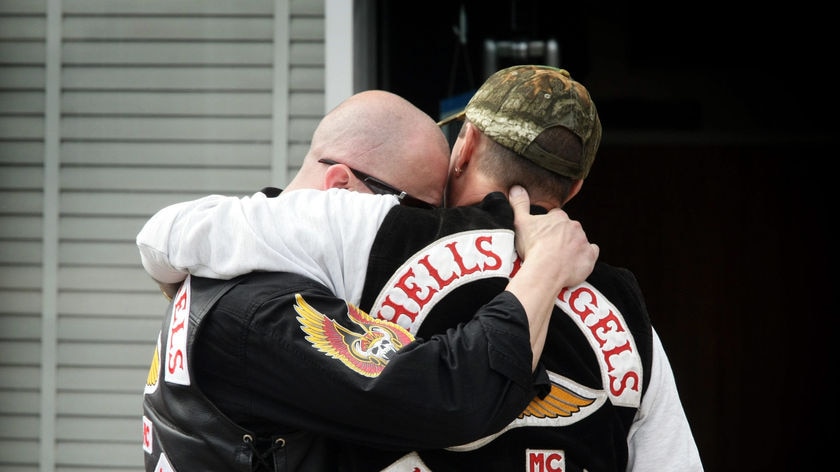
(554, 463)
(412, 289)
(436, 275)
(399, 310)
(182, 301)
(179, 316)
(607, 324)
(536, 462)
(176, 361)
(517, 264)
(562, 295)
(175, 329)
(621, 386)
(586, 310)
(545, 462)
(487, 252)
(614, 352)
(147, 435)
(460, 261)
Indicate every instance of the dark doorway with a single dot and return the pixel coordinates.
(711, 184)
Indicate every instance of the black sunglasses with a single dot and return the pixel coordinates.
(381, 188)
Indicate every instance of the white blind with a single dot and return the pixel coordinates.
(158, 101)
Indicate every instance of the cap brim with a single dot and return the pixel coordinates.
(453, 117)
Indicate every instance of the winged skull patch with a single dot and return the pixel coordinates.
(366, 353)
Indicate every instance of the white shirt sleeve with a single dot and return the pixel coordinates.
(660, 437)
(324, 235)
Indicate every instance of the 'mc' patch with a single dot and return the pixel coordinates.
(545, 460)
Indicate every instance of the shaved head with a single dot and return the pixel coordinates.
(384, 135)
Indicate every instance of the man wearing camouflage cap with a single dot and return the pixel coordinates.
(616, 407)
(608, 399)
(534, 112)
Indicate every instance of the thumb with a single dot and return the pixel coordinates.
(518, 198)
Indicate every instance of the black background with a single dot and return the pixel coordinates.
(712, 184)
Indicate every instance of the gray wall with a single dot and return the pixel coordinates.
(110, 110)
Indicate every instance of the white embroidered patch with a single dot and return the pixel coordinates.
(545, 460)
(409, 462)
(163, 464)
(449, 263)
(440, 268)
(607, 332)
(175, 369)
(148, 434)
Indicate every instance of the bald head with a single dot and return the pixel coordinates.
(383, 135)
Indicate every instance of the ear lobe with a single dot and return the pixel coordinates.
(337, 176)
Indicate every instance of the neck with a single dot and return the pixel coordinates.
(471, 188)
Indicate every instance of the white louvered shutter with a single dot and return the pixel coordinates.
(129, 106)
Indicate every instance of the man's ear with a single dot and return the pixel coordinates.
(468, 142)
(575, 188)
(337, 176)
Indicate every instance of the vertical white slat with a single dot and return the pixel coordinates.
(338, 16)
(280, 94)
(160, 102)
(23, 58)
(137, 113)
(306, 57)
(365, 31)
(49, 291)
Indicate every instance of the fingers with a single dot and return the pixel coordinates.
(519, 200)
(552, 244)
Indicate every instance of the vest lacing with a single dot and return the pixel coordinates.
(263, 460)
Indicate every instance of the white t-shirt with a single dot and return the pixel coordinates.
(324, 235)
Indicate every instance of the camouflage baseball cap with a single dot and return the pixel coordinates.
(515, 105)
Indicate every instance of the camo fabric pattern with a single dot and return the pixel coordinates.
(516, 104)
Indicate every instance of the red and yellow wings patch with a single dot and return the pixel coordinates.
(366, 353)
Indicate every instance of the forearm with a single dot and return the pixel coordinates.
(469, 383)
(555, 254)
(223, 237)
(536, 293)
(211, 237)
(450, 389)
